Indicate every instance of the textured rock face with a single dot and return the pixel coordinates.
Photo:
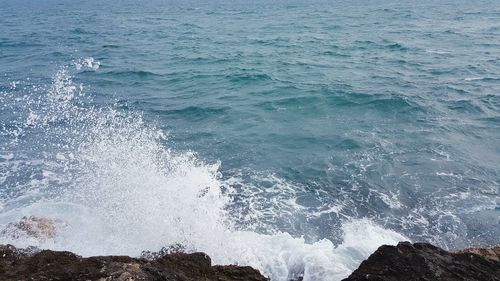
(17, 264)
(406, 261)
(425, 262)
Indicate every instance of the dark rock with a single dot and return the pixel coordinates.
(233, 272)
(425, 262)
(406, 261)
(18, 264)
(175, 248)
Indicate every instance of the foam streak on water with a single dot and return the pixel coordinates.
(115, 188)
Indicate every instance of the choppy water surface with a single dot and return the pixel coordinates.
(295, 137)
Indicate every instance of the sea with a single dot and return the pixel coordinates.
(292, 136)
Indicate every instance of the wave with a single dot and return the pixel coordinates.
(385, 44)
(248, 77)
(116, 188)
(197, 112)
(470, 79)
(131, 74)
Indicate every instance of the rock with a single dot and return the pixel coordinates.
(406, 261)
(233, 272)
(19, 264)
(491, 253)
(33, 226)
(425, 262)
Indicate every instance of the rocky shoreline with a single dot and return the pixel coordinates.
(32, 264)
(425, 262)
(406, 261)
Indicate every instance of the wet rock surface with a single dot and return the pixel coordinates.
(425, 262)
(19, 264)
(406, 261)
(40, 228)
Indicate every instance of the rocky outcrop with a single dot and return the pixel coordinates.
(425, 262)
(404, 262)
(32, 264)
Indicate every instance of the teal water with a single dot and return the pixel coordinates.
(311, 115)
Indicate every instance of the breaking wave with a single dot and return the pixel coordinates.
(113, 185)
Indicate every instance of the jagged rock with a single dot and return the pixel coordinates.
(406, 261)
(425, 262)
(17, 264)
(233, 272)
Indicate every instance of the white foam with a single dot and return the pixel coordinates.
(89, 63)
(473, 78)
(7, 157)
(13, 84)
(451, 175)
(439, 52)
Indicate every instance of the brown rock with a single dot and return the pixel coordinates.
(17, 264)
(233, 272)
(488, 253)
(33, 226)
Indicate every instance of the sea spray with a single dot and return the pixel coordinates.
(117, 189)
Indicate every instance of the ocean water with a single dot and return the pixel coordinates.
(292, 136)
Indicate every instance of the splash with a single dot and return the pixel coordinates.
(117, 188)
(87, 63)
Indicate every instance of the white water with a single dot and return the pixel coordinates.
(117, 189)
